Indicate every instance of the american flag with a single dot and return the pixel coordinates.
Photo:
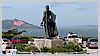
(18, 22)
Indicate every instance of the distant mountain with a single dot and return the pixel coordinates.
(33, 30)
(8, 24)
(85, 26)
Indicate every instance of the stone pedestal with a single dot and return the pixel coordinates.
(50, 43)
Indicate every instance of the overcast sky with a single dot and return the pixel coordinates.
(70, 13)
(31, 1)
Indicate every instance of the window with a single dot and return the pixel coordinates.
(93, 40)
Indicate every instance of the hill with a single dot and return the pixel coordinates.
(8, 24)
(33, 30)
(84, 26)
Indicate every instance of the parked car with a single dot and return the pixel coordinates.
(73, 37)
(17, 40)
(92, 42)
(8, 46)
(7, 43)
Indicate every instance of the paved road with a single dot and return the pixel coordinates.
(58, 54)
(55, 54)
(90, 52)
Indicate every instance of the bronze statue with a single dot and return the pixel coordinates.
(49, 24)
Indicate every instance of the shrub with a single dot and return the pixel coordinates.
(58, 49)
(8, 36)
(45, 49)
(26, 48)
(20, 47)
(72, 47)
(26, 37)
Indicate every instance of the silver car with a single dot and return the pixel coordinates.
(92, 42)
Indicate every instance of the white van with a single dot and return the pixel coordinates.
(73, 37)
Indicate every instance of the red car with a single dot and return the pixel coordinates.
(17, 40)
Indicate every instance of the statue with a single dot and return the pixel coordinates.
(49, 24)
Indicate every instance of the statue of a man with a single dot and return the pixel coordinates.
(49, 23)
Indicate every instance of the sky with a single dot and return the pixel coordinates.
(29, 1)
(70, 13)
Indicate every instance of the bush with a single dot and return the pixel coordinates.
(20, 47)
(58, 49)
(68, 47)
(8, 36)
(45, 49)
(72, 47)
(26, 48)
(26, 37)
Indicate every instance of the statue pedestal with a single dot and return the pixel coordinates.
(49, 43)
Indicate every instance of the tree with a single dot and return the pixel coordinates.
(11, 33)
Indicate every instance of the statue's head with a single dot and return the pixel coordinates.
(47, 7)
